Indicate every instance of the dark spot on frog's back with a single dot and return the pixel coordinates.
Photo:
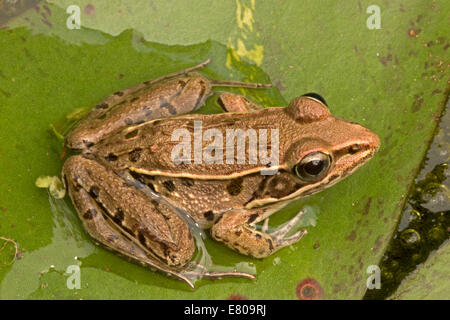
(118, 93)
(111, 157)
(154, 203)
(151, 186)
(235, 187)
(119, 216)
(209, 215)
(139, 178)
(90, 214)
(187, 182)
(128, 121)
(102, 106)
(135, 155)
(94, 192)
(141, 238)
(169, 185)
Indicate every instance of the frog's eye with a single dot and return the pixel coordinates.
(313, 166)
(316, 96)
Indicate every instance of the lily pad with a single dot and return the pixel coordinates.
(391, 79)
(430, 281)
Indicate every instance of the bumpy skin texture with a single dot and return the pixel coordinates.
(101, 195)
(126, 144)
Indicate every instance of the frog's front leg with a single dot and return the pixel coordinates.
(236, 230)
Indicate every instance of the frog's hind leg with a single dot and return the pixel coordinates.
(174, 94)
(239, 84)
(112, 230)
(122, 95)
(126, 221)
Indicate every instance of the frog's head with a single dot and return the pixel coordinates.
(331, 148)
(322, 150)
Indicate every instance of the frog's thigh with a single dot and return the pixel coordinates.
(87, 191)
(98, 228)
(231, 102)
(101, 231)
(236, 230)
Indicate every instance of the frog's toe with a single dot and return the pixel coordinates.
(197, 271)
(282, 242)
(284, 229)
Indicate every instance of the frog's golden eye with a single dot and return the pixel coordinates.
(313, 166)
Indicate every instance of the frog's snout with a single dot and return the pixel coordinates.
(372, 140)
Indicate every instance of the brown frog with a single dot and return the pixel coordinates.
(137, 197)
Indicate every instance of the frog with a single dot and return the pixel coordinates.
(134, 199)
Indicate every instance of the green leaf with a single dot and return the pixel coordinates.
(392, 80)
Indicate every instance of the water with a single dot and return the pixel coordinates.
(425, 223)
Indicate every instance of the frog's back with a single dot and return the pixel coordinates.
(182, 146)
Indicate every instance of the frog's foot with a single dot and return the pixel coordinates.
(197, 270)
(225, 83)
(236, 229)
(279, 235)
